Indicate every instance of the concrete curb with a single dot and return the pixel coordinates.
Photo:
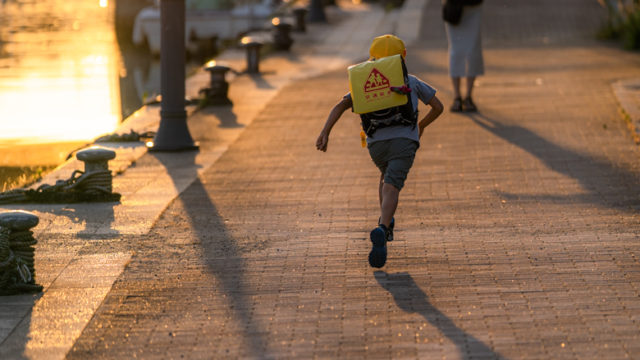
(628, 94)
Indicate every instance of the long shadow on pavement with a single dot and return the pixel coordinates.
(608, 185)
(15, 336)
(220, 249)
(224, 113)
(411, 299)
(260, 81)
(98, 218)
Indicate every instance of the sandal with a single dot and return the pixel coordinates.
(469, 106)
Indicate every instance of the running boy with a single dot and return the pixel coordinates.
(392, 144)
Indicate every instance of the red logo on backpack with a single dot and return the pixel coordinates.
(376, 81)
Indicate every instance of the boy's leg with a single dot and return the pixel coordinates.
(379, 236)
(394, 159)
(389, 226)
(380, 185)
(389, 203)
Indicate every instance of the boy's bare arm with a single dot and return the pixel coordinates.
(436, 110)
(334, 116)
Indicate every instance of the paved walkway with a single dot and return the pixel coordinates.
(518, 232)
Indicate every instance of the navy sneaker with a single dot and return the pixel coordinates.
(378, 254)
(390, 229)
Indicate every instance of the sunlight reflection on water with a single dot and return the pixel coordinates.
(59, 66)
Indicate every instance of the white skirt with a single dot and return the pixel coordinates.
(465, 45)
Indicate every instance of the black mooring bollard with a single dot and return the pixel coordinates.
(217, 92)
(17, 260)
(300, 15)
(316, 12)
(253, 54)
(281, 35)
(96, 164)
(96, 158)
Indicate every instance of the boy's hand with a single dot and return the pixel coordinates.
(323, 140)
(334, 116)
(436, 110)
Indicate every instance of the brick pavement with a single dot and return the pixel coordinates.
(518, 231)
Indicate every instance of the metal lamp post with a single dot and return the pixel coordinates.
(173, 132)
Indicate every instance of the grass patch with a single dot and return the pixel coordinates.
(14, 177)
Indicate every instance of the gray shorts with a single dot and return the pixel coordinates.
(394, 158)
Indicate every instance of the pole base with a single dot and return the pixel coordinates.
(173, 133)
(155, 148)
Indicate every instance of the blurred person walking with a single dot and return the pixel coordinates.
(463, 21)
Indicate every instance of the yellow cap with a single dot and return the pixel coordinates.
(387, 45)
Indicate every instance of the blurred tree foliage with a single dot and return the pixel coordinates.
(623, 22)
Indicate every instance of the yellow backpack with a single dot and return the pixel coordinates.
(370, 84)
